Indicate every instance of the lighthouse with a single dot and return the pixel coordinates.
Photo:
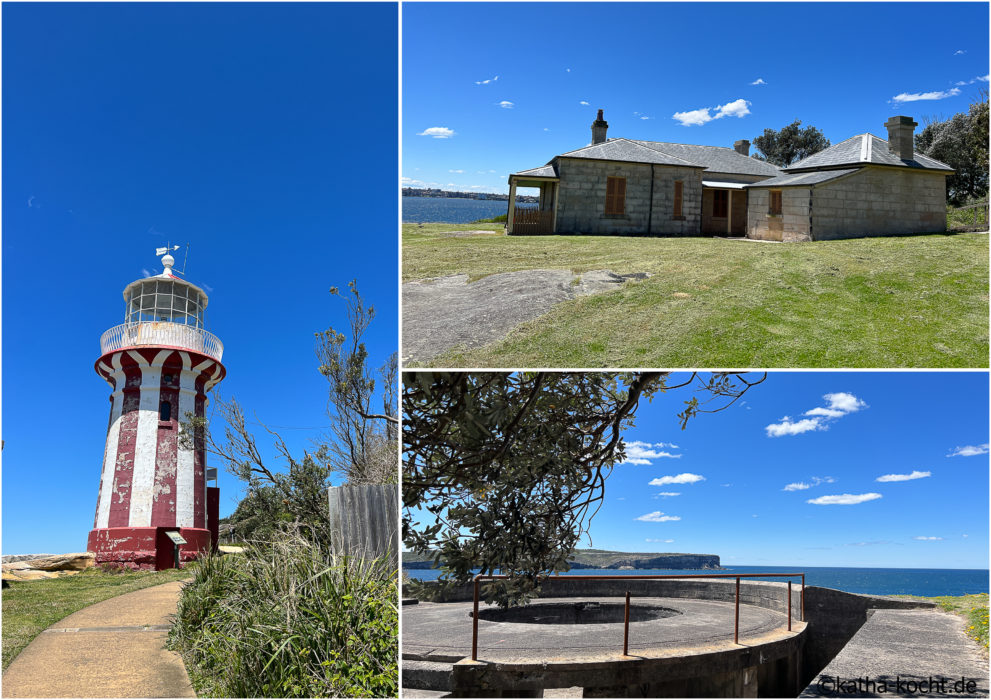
(154, 508)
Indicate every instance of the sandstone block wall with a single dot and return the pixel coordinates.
(794, 222)
(879, 201)
(582, 198)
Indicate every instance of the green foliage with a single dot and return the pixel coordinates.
(494, 220)
(962, 143)
(512, 467)
(288, 621)
(31, 606)
(789, 145)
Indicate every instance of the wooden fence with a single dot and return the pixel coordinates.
(977, 219)
(364, 521)
(530, 221)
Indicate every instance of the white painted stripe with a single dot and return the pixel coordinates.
(110, 453)
(184, 459)
(145, 447)
(865, 148)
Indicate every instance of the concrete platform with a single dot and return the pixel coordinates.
(903, 648)
(442, 631)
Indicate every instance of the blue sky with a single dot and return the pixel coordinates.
(895, 465)
(493, 88)
(263, 135)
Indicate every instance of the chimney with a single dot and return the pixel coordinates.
(742, 147)
(901, 137)
(599, 127)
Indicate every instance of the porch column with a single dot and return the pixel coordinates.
(512, 205)
(729, 213)
(554, 187)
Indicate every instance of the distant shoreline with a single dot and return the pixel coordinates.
(448, 194)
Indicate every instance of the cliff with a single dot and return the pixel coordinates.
(604, 559)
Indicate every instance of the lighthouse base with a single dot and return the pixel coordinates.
(146, 547)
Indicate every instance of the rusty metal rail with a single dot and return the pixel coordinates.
(643, 577)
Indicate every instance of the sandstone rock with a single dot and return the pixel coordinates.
(76, 561)
(28, 575)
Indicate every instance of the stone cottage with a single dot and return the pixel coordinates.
(863, 186)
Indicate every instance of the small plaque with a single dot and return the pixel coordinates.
(211, 473)
(176, 537)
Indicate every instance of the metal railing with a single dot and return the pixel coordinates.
(178, 335)
(644, 577)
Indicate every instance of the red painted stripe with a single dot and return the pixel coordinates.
(120, 504)
(163, 503)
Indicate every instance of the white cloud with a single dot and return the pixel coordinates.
(959, 52)
(546, 129)
(505, 104)
(650, 539)
(797, 486)
(641, 115)
(567, 70)
(844, 499)
(31, 201)
(736, 108)
(437, 132)
(145, 272)
(787, 427)
(935, 95)
(459, 172)
(984, 78)
(583, 102)
(686, 478)
(916, 474)
(759, 81)
(923, 538)
(816, 480)
(486, 82)
(638, 452)
(695, 117)
(842, 401)
(825, 412)
(658, 517)
(668, 494)
(969, 451)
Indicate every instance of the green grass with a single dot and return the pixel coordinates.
(31, 606)
(913, 301)
(973, 608)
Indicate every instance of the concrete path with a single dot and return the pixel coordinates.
(902, 648)
(112, 649)
(442, 313)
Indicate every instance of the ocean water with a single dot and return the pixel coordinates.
(449, 210)
(927, 582)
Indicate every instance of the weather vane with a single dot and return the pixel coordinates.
(168, 261)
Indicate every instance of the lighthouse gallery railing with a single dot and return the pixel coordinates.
(178, 335)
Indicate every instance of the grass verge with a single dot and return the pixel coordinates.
(911, 301)
(29, 607)
(282, 620)
(973, 608)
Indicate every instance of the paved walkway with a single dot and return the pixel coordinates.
(902, 648)
(113, 649)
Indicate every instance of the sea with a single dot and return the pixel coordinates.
(924, 582)
(450, 210)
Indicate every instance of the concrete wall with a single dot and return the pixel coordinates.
(794, 222)
(582, 198)
(879, 201)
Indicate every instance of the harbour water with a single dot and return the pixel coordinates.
(925, 582)
(451, 210)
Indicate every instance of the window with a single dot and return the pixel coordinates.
(720, 204)
(775, 203)
(615, 195)
(678, 192)
(165, 411)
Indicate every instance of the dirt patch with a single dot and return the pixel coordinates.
(445, 312)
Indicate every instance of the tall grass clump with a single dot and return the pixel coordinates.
(285, 619)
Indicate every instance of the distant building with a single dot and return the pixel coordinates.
(863, 186)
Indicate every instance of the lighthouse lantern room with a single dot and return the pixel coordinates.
(161, 363)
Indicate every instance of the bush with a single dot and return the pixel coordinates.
(284, 620)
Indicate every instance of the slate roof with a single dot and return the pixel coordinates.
(812, 178)
(861, 150)
(542, 171)
(718, 159)
(627, 151)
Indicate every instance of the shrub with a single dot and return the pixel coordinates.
(285, 620)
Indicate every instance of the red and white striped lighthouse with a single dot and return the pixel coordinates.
(161, 362)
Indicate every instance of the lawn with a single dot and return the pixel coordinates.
(973, 608)
(912, 301)
(31, 606)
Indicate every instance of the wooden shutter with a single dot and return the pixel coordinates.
(678, 187)
(615, 195)
(775, 202)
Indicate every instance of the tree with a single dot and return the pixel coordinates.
(288, 490)
(511, 468)
(962, 143)
(790, 145)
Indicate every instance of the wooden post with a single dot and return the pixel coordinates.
(729, 212)
(512, 205)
